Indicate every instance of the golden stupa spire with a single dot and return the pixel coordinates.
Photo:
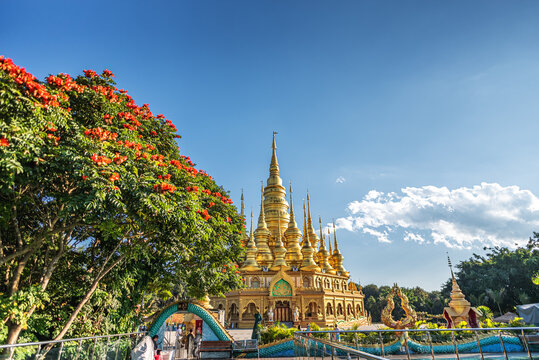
(250, 263)
(262, 234)
(308, 263)
(330, 252)
(322, 254)
(337, 256)
(458, 299)
(276, 207)
(293, 236)
(279, 251)
(310, 228)
(245, 238)
(242, 212)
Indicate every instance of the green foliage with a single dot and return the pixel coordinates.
(485, 313)
(276, 332)
(502, 279)
(17, 306)
(98, 207)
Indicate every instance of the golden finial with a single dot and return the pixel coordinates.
(322, 254)
(251, 230)
(335, 239)
(274, 165)
(322, 241)
(292, 236)
(337, 256)
(330, 252)
(262, 216)
(250, 263)
(245, 238)
(242, 212)
(280, 252)
(308, 263)
(310, 228)
(450, 266)
(262, 235)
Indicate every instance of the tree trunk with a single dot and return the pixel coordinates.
(86, 298)
(13, 332)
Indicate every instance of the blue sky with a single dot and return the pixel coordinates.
(436, 98)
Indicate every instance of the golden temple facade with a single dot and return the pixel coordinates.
(290, 275)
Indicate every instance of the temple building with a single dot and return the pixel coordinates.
(290, 275)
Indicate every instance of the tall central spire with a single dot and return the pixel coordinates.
(275, 204)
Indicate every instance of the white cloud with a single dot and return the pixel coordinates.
(340, 180)
(484, 215)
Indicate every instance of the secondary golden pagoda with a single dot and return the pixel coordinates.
(459, 308)
(289, 275)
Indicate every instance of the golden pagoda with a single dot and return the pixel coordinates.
(289, 276)
(459, 308)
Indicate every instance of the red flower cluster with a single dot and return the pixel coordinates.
(107, 92)
(127, 116)
(166, 177)
(55, 138)
(171, 125)
(130, 144)
(224, 199)
(159, 158)
(206, 191)
(228, 219)
(114, 177)
(33, 88)
(181, 166)
(211, 204)
(204, 214)
(108, 73)
(143, 111)
(90, 73)
(118, 159)
(187, 160)
(100, 134)
(4, 142)
(101, 160)
(65, 82)
(164, 187)
(192, 189)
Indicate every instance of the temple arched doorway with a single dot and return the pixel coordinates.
(283, 312)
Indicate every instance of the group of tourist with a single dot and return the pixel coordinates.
(187, 344)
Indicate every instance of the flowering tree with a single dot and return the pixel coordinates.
(86, 173)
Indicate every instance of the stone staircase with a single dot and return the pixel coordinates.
(240, 334)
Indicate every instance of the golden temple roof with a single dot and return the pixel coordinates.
(278, 242)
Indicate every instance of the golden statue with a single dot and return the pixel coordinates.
(387, 318)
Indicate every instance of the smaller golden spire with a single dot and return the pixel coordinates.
(330, 252)
(274, 165)
(308, 263)
(322, 254)
(337, 256)
(262, 235)
(458, 299)
(242, 212)
(279, 252)
(310, 228)
(250, 263)
(293, 236)
(245, 238)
